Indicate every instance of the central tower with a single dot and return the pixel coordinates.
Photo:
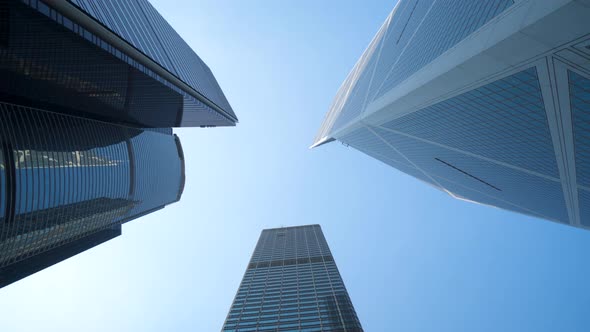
(292, 284)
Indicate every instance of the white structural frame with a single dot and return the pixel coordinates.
(550, 35)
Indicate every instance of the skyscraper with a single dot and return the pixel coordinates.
(485, 100)
(110, 60)
(68, 183)
(292, 284)
(89, 91)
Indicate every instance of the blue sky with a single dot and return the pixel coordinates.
(412, 258)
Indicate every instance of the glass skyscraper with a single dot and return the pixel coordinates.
(89, 93)
(110, 60)
(487, 101)
(292, 284)
(67, 180)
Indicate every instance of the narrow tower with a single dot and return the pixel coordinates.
(292, 284)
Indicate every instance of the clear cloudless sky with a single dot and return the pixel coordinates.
(412, 258)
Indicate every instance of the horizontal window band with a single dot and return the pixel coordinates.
(293, 261)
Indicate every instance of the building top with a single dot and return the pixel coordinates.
(486, 101)
(290, 227)
(136, 69)
(413, 35)
(139, 24)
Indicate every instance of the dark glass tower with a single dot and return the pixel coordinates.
(68, 183)
(110, 60)
(89, 91)
(292, 284)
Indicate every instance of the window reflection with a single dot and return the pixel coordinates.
(64, 178)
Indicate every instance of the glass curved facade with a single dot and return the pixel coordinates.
(65, 178)
(49, 60)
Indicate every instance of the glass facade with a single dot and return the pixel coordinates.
(51, 62)
(65, 178)
(138, 23)
(455, 94)
(38, 262)
(579, 88)
(490, 145)
(292, 284)
(424, 31)
(414, 34)
(507, 109)
(89, 93)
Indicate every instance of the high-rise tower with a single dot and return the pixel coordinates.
(488, 101)
(89, 91)
(66, 182)
(292, 284)
(110, 60)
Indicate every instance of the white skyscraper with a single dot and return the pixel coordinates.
(486, 100)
